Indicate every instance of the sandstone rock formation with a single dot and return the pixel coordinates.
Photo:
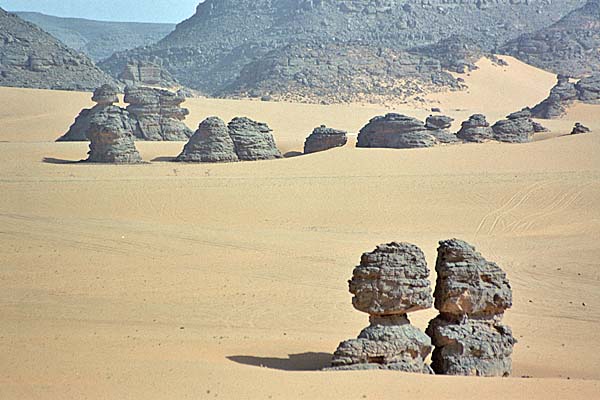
(111, 137)
(139, 73)
(475, 129)
(211, 143)
(438, 126)
(323, 138)
(579, 128)
(561, 96)
(518, 127)
(252, 140)
(471, 295)
(390, 282)
(588, 89)
(104, 96)
(395, 131)
(158, 113)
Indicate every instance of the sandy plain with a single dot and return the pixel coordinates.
(171, 281)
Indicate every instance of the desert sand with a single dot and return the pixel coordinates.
(178, 281)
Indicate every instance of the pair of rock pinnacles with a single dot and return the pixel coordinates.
(471, 295)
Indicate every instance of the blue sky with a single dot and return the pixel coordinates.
(109, 10)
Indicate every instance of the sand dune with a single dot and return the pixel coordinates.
(163, 280)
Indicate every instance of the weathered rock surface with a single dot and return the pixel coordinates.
(588, 89)
(390, 281)
(518, 127)
(476, 129)
(395, 131)
(211, 143)
(104, 96)
(555, 105)
(579, 128)
(140, 73)
(471, 294)
(438, 126)
(29, 57)
(323, 138)
(111, 137)
(253, 140)
(158, 113)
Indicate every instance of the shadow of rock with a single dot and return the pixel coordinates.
(295, 362)
(50, 160)
(163, 159)
(291, 154)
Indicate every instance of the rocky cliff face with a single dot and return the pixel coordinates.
(224, 47)
(29, 57)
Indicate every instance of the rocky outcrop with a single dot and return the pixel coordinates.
(111, 137)
(476, 129)
(158, 113)
(390, 282)
(104, 96)
(211, 143)
(323, 138)
(395, 131)
(252, 140)
(579, 128)
(471, 295)
(555, 105)
(588, 89)
(518, 127)
(139, 72)
(30, 57)
(438, 126)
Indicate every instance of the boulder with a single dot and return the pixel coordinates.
(579, 128)
(210, 143)
(518, 127)
(323, 138)
(438, 126)
(395, 131)
(476, 129)
(253, 140)
(111, 137)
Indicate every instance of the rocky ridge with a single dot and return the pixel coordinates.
(565, 93)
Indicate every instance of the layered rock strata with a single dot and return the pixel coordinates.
(111, 137)
(323, 138)
(471, 295)
(390, 282)
(252, 140)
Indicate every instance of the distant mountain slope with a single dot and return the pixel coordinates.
(217, 50)
(30, 57)
(99, 39)
(571, 46)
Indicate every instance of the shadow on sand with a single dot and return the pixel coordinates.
(295, 362)
(164, 159)
(51, 160)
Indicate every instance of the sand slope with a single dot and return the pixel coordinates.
(171, 281)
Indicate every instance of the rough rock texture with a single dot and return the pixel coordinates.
(475, 129)
(323, 138)
(580, 129)
(570, 46)
(146, 73)
(389, 282)
(111, 137)
(29, 57)
(211, 143)
(395, 131)
(253, 140)
(105, 95)
(555, 105)
(588, 89)
(518, 127)
(158, 113)
(438, 126)
(471, 294)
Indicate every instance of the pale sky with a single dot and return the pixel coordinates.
(109, 10)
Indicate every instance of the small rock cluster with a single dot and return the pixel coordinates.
(324, 138)
(565, 93)
(241, 140)
(518, 127)
(476, 129)
(471, 295)
(111, 137)
(389, 283)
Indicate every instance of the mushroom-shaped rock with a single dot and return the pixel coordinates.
(323, 138)
(476, 129)
(106, 95)
(518, 127)
(111, 137)
(395, 131)
(579, 128)
(253, 140)
(211, 143)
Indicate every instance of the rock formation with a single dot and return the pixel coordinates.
(588, 89)
(471, 295)
(395, 131)
(561, 96)
(139, 73)
(475, 129)
(252, 140)
(579, 128)
(111, 137)
(211, 143)
(29, 57)
(323, 138)
(390, 282)
(438, 126)
(158, 113)
(104, 96)
(518, 127)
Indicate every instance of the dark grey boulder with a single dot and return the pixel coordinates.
(555, 105)
(211, 143)
(438, 126)
(395, 131)
(518, 127)
(323, 138)
(579, 128)
(253, 140)
(476, 129)
(588, 89)
(111, 137)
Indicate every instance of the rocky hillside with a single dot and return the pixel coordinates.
(570, 47)
(99, 39)
(234, 46)
(30, 57)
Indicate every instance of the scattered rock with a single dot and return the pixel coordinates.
(253, 140)
(476, 129)
(395, 131)
(211, 143)
(579, 128)
(390, 282)
(111, 137)
(471, 295)
(518, 127)
(323, 138)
